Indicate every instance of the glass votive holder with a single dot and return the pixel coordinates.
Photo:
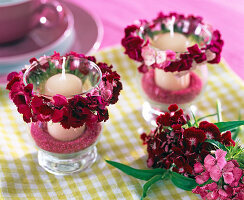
(173, 51)
(157, 98)
(66, 157)
(64, 151)
(64, 100)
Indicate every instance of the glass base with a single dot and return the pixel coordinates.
(150, 114)
(66, 164)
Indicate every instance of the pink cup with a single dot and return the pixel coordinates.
(19, 17)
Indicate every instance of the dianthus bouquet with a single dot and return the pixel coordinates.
(195, 155)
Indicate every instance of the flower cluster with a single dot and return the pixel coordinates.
(137, 45)
(174, 144)
(70, 112)
(225, 175)
(198, 157)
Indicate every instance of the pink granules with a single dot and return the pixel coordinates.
(160, 95)
(48, 143)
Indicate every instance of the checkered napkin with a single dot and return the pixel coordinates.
(22, 178)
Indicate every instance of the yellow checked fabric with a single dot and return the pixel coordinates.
(22, 178)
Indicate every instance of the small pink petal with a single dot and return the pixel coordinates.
(220, 157)
(223, 193)
(201, 191)
(215, 173)
(206, 175)
(57, 115)
(221, 162)
(228, 189)
(219, 153)
(214, 195)
(237, 172)
(198, 168)
(200, 179)
(228, 177)
(212, 186)
(36, 101)
(149, 162)
(234, 184)
(107, 94)
(209, 162)
(160, 57)
(60, 100)
(229, 167)
(170, 54)
(148, 55)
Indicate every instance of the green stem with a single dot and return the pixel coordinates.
(195, 120)
(219, 110)
(201, 118)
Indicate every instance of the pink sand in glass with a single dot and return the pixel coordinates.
(50, 144)
(160, 95)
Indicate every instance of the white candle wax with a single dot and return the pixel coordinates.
(169, 81)
(176, 42)
(67, 85)
(59, 133)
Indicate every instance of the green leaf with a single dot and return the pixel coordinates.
(150, 34)
(225, 126)
(67, 64)
(196, 39)
(76, 72)
(235, 132)
(137, 173)
(163, 28)
(189, 124)
(240, 160)
(236, 153)
(183, 182)
(149, 183)
(216, 144)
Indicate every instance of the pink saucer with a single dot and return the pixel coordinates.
(78, 31)
(40, 41)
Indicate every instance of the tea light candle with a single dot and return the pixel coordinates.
(166, 41)
(66, 85)
(170, 81)
(59, 133)
(176, 42)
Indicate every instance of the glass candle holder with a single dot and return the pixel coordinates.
(162, 87)
(64, 151)
(157, 98)
(173, 51)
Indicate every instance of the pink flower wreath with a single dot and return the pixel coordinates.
(72, 112)
(137, 46)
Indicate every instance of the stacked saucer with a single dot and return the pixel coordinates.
(66, 35)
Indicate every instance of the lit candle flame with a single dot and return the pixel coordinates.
(171, 26)
(63, 69)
